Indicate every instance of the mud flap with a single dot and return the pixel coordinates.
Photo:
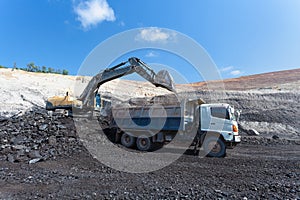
(197, 143)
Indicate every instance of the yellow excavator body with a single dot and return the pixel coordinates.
(62, 102)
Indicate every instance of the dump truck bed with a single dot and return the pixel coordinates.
(167, 118)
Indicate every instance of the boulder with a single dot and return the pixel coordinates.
(252, 132)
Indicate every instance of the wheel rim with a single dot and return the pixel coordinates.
(127, 138)
(214, 147)
(143, 142)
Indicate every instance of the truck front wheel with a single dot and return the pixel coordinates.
(214, 147)
(127, 140)
(144, 143)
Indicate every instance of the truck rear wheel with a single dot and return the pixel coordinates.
(214, 147)
(127, 140)
(144, 143)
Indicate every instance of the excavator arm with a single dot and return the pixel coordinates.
(161, 79)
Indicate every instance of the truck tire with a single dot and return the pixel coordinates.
(144, 143)
(214, 147)
(127, 140)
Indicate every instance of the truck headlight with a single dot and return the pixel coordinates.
(235, 128)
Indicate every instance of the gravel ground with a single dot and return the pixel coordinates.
(257, 168)
(243, 174)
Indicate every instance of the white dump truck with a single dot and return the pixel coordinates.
(213, 126)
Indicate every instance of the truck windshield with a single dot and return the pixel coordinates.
(220, 112)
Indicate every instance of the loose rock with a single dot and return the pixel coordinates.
(35, 160)
(43, 127)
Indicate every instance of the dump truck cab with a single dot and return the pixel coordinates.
(220, 119)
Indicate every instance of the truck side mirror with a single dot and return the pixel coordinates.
(67, 94)
(238, 114)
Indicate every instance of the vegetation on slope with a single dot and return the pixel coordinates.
(31, 67)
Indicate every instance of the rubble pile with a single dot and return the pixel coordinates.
(265, 141)
(37, 135)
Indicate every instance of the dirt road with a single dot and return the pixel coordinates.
(255, 169)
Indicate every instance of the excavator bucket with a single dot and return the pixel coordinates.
(164, 79)
(161, 79)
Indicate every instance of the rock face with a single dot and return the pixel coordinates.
(268, 112)
(22, 90)
(36, 136)
(269, 102)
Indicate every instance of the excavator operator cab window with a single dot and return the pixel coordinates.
(98, 100)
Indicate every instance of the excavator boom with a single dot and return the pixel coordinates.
(161, 79)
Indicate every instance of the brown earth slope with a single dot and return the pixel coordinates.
(259, 81)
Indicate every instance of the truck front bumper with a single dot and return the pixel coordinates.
(232, 140)
(237, 138)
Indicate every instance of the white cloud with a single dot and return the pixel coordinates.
(226, 69)
(154, 34)
(235, 72)
(231, 70)
(92, 12)
(151, 54)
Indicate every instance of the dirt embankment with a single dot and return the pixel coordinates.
(281, 80)
(269, 112)
(269, 102)
(22, 90)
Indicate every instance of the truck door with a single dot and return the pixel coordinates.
(220, 119)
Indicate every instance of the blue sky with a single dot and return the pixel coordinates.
(242, 37)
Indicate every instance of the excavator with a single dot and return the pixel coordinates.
(87, 98)
(214, 125)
